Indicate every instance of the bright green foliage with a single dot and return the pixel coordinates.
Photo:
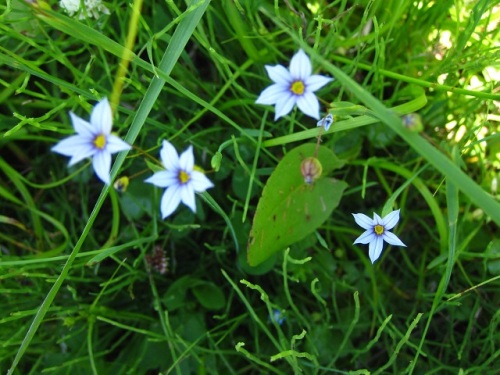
(82, 288)
(290, 208)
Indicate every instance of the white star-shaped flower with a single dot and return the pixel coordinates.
(180, 179)
(94, 140)
(92, 8)
(294, 86)
(377, 231)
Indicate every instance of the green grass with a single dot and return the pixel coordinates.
(78, 293)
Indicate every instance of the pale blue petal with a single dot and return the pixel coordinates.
(300, 66)
(75, 146)
(200, 182)
(102, 117)
(363, 221)
(391, 219)
(279, 74)
(272, 94)
(186, 161)
(170, 200)
(316, 82)
(367, 237)
(163, 179)
(115, 144)
(169, 156)
(309, 105)
(82, 127)
(102, 164)
(187, 196)
(284, 105)
(392, 239)
(326, 122)
(377, 220)
(375, 249)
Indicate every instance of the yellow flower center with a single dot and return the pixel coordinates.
(379, 230)
(100, 141)
(297, 87)
(183, 177)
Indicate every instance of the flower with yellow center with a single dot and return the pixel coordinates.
(295, 85)
(181, 179)
(94, 140)
(377, 231)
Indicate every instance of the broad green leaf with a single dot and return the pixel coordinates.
(209, 295)
(291, 209)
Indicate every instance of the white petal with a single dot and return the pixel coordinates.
(115, 144)
(170, 201)
(300, 66)
(163, 179)
(377, 220)
(82, 127)
(75, 146)
(187, 196)
(316, 82)
(368, 236)
(272, 94)
(375, 249)
(363, 221)
(102, 117)
(392, 239)
(200, 182)
(309, 105)
(186, 160)
(391, 219)
(169, 156)
(102, 165)
(279, 74)
(284, 105)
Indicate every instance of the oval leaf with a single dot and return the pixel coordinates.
(290, 209)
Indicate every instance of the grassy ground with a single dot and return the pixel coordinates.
(82, 289)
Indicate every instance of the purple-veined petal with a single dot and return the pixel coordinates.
(363, 221)
(163, 179)
(391, 219)
(392, 239)
(272, 94)
(315, 82)
(309, 105)
(186, 160)
(115, 144)
(300, 66)
(284, 106)
(367, 236)
(82, 127)
(375, 249)
(279, 74)
(200, 182)
(187, 196)
(169, 156)
(102, 117)
(102, 164)
(170, 200)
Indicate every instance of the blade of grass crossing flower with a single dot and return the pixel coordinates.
(412, 106)
(176, 46)
(443, 164)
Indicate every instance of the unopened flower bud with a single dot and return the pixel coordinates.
(311, 169)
